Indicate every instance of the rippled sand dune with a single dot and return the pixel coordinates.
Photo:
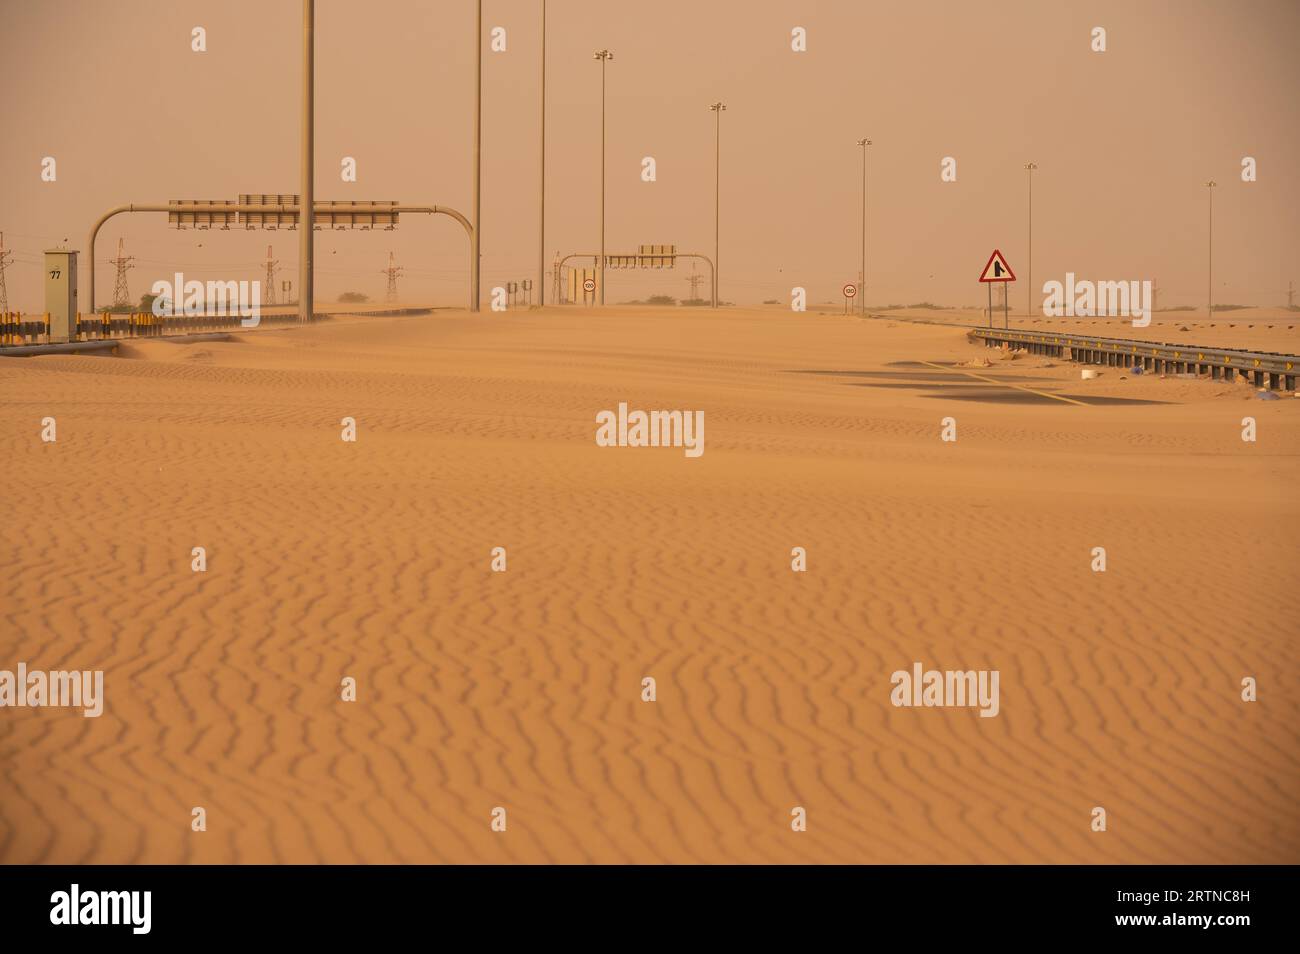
(522, 689)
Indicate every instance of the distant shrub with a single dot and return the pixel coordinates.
(353, 298)
(661, 300)
(146, 304)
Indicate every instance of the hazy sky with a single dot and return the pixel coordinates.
(1124, 140)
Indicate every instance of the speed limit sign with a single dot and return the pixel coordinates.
(850, 289)
(589, 285)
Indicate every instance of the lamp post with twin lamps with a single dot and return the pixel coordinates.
(864, 143)
(604, 56)
(718, 110)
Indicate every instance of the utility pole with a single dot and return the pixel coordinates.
(862, 280)
(604, 56)
(718, 109)
(1209, 278)
(541, 237)
(5, 258)
(272, 266)
(476, 238)
(1029, 274)
(121, 294)
(306, 201)
(1290, 286)
(392, 271)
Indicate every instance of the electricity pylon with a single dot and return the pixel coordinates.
(121, 294)
(392, 271)
(272, 266)
(4, 261)
(695, 280)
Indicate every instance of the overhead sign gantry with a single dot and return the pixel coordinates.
(275, 211)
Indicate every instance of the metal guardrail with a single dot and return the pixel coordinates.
(98, 345)
(1279, 369)
(19, 333)
(18, 330)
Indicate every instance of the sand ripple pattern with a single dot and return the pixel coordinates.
(521, 689)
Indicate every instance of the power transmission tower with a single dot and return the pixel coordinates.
(272, 266)
(121, 294)
(557, 282)
(1290, 286)
(392, 271)
(1155, 296)
(695, 280)
(4, 261)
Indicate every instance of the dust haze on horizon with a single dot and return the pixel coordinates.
(1123, 140)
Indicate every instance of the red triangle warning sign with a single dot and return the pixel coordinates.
(997, 269)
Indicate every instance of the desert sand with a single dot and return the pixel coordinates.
(522, 689)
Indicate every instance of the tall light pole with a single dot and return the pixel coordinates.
(1209, 278)
(718, 109)
(541, 236)
(476, 238)
(307, 200)
(1029, 276)
(864, 143)
(604, 56)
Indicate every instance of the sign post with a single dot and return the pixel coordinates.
(850, 289)
(997, 271)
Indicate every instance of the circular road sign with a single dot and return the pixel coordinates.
(850, 289)
(589, 285)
